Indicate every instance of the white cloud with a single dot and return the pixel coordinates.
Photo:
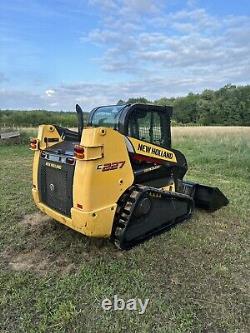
(164, 54)
(143, 39)
(125, 7)
(54, 105)
(50, 92)
(90, 95)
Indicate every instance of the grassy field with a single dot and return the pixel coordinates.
(53, 279)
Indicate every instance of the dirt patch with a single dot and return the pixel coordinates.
(40, 262)
(36, 219)
(51, 247)
(28, 261)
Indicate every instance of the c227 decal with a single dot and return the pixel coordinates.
(110, 166)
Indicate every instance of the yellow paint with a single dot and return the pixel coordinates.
(150, 150)
(96, 189)
(95, 223)
(93, 153)
(99, 181)
(47, 131)
(44, 131)
(90, 224)
(35, 172)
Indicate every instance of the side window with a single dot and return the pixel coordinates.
(144, 121)
(156, 129)
(149, 126)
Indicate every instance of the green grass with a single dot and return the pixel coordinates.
(53, 279)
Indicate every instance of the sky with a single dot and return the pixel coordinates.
(54, 54)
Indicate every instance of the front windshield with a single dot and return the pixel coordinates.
(107, 116)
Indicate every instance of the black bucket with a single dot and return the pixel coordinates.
(207, 197)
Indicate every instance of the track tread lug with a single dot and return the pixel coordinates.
(125, 211)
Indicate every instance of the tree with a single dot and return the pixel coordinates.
(120, 102)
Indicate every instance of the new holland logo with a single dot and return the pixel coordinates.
(53, 165)
(155, 151)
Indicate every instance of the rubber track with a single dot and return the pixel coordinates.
(125, 209)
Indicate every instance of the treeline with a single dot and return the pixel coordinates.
(9, 118)
(229, 105)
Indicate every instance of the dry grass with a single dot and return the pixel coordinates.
(199, 131)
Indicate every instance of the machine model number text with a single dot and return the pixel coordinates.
(110, 166)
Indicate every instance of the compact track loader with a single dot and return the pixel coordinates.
(117, 177)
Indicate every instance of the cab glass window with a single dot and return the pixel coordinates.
(150, 126)
(107, 116)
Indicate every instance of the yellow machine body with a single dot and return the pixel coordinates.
(100, 178)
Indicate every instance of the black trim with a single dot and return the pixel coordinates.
(80, 123)
(51, 139)
(128, 109)
(126, 112)
(67, 134)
